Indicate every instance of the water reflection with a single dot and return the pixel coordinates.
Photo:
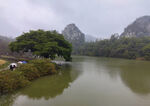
(7, 100)
(46, 87)
(137, 77)
(134, 74)
(101, 81)
(51, 86)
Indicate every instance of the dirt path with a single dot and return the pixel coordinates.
(2, 62)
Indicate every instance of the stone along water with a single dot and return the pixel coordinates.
(89, 81)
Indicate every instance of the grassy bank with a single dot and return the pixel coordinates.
(22, 76)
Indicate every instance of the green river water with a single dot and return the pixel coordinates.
(89, 81)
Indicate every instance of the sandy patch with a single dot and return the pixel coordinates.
(2, 62)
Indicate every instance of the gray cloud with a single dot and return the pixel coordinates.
(100, 18)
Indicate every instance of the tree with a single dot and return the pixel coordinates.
(48, 44)
(118, 46)
(146, 51)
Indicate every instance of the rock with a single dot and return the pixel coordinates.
(139, 28)
(73, 34)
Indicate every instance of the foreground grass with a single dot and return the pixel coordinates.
(21, 77)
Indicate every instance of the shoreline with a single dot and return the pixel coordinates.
(22, 76)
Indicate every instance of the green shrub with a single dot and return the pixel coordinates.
(10, 81)
(44, 66)
(29, 71)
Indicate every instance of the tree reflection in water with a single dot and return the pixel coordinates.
(137, 77)
(51, 86)
(45, 87)
(7, 100)
(134, 74)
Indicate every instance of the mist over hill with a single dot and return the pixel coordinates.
(4, 42)
(139, 28)
(90, 38)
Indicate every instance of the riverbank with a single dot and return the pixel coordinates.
(23, 75)
(101, 78)
(118, 47)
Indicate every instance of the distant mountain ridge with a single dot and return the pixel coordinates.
(140, 27)
(4, 42)
(4, 39)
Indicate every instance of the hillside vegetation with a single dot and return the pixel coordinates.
(139, 28)
(119, 47)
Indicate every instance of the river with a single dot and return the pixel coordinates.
(89, 81)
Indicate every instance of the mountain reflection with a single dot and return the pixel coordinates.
(134, 74)
(137, 78)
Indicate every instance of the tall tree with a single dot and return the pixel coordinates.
(48, 44)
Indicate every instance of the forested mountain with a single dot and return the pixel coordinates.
(140, 27)
(73, 34)
(133, 43)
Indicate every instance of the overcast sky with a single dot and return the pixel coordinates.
(99, 18)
